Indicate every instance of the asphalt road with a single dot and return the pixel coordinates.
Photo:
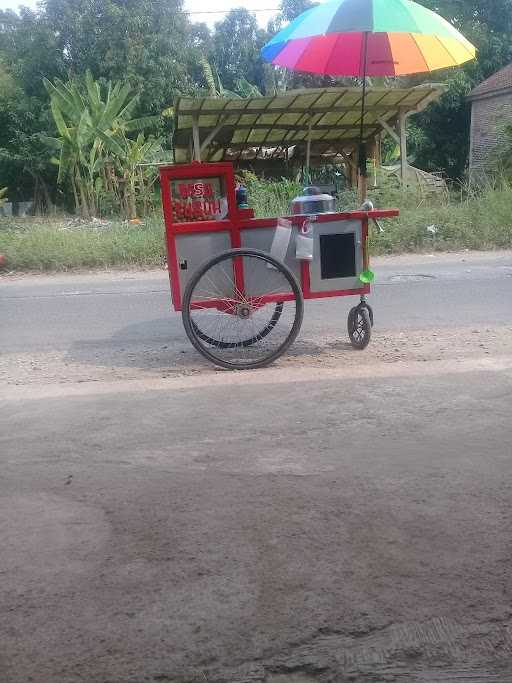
(337, 517)
(56, 312)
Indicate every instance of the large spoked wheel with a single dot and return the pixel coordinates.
(359, 327)
(247, 342)
(242, 309)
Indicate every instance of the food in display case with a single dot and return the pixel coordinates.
(198, 199)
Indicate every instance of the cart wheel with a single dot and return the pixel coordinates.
(247, 342)
(242, 327)
(359, 327)
(370, 311)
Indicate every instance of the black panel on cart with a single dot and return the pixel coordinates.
(338, 255)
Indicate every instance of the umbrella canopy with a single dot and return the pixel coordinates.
(368, 38)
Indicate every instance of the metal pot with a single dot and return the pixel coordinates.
(312, 201)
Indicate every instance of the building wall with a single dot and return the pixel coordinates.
(486, 116)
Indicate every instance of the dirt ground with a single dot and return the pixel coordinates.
(339, 517)
(444, 349)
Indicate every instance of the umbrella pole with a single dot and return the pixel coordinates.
(363, 176)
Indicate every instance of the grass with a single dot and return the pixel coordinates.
(270, 197)
(463, 220)
(49, 245)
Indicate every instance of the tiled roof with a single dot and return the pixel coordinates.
(501, 80)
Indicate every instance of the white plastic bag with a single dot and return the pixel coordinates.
(304, 242)
(281, 240)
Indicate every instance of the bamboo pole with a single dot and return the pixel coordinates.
(403, 146)
(195, 138)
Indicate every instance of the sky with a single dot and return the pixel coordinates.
(220, 7)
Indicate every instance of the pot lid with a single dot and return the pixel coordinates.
(313, 194)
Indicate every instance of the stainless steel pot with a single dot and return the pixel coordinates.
(312, 201)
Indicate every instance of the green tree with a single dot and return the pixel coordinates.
(28, 52)
(28, 45)
(439, 136)
(487, 24)
(290, 9)
(237, 41)
(496, 15)
(144, 42)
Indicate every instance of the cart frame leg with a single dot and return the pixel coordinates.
(363, 303)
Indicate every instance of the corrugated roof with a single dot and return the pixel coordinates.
(501, 80)
(284, 120)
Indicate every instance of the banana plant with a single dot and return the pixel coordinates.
(83, 114)
(213, 82)
(130, 155)
(246, 89)
(215, 88)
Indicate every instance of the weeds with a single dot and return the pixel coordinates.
(463, 219)
(270, 197)
(52, 246)
(469, 218)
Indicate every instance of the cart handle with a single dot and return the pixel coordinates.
(379, 226)
(368, 206)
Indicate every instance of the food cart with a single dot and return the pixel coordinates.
(240, 281)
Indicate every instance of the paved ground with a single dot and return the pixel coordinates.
(341, 516)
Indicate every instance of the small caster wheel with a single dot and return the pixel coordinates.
(359, 327)
(369, 309)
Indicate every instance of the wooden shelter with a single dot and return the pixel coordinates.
(323, 122)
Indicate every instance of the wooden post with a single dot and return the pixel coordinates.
(355, 171)
(403, 145)
(350, 168)
(362, 188)
(308, 154)
(195, 137)
(378, 151)
(377, 158)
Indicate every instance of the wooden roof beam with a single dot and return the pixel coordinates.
(385, 125)
(208, 139)
(295, 110)
(305, 129)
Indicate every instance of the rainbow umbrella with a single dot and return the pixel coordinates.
(368, 38)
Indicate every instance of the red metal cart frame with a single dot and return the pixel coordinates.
(188, 211)
(242, 219)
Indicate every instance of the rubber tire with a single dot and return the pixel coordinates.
(189, 324)
(363, 312)
(247, 342)
(370, 312)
